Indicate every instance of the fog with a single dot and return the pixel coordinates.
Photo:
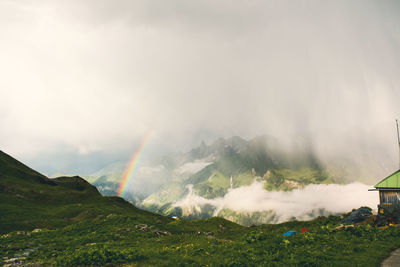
(301, 204)
(84, 81)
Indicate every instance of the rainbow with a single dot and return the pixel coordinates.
(127, 176)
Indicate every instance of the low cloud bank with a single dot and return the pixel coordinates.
(302, 204)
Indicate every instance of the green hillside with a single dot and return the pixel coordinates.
(29, 200)
(66, 222)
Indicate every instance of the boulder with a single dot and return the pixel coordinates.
(357, 215)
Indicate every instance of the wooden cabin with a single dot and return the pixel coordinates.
(389, 190)
(389, 195)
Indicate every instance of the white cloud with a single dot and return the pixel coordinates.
(299, 203)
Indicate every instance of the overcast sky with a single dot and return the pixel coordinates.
(82, 82)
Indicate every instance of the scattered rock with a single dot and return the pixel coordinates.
(342, 227)
(142, 227)
(145, 228)
(33, 264)
(292, 184)
(20, 196)
(160, 233)
(357, 216)
(14, 261)
(21, 233)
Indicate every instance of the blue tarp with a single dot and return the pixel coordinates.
(289, 233)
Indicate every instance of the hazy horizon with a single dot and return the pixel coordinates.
(83, 82)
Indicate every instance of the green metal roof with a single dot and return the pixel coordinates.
(392, 181)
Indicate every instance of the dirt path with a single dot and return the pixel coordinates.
(393, 260)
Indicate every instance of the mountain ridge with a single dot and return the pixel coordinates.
(44, 202)
(214, 169)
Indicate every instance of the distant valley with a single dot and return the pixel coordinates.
(197, 184)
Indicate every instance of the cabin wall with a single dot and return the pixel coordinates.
(392, 197)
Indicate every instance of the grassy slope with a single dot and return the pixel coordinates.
(82, 228)
(287, 179)
(29, 200)
(214, 242)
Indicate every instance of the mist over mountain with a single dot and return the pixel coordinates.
(261, 180)
(97, 77)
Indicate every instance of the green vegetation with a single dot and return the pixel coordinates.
(29, 200)
(161, 202)
(122, 239)
(288, 179)
(248, 218)
(215, 186)
(242, 179)
(66, 222)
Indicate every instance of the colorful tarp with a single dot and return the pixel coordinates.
(289, 233)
